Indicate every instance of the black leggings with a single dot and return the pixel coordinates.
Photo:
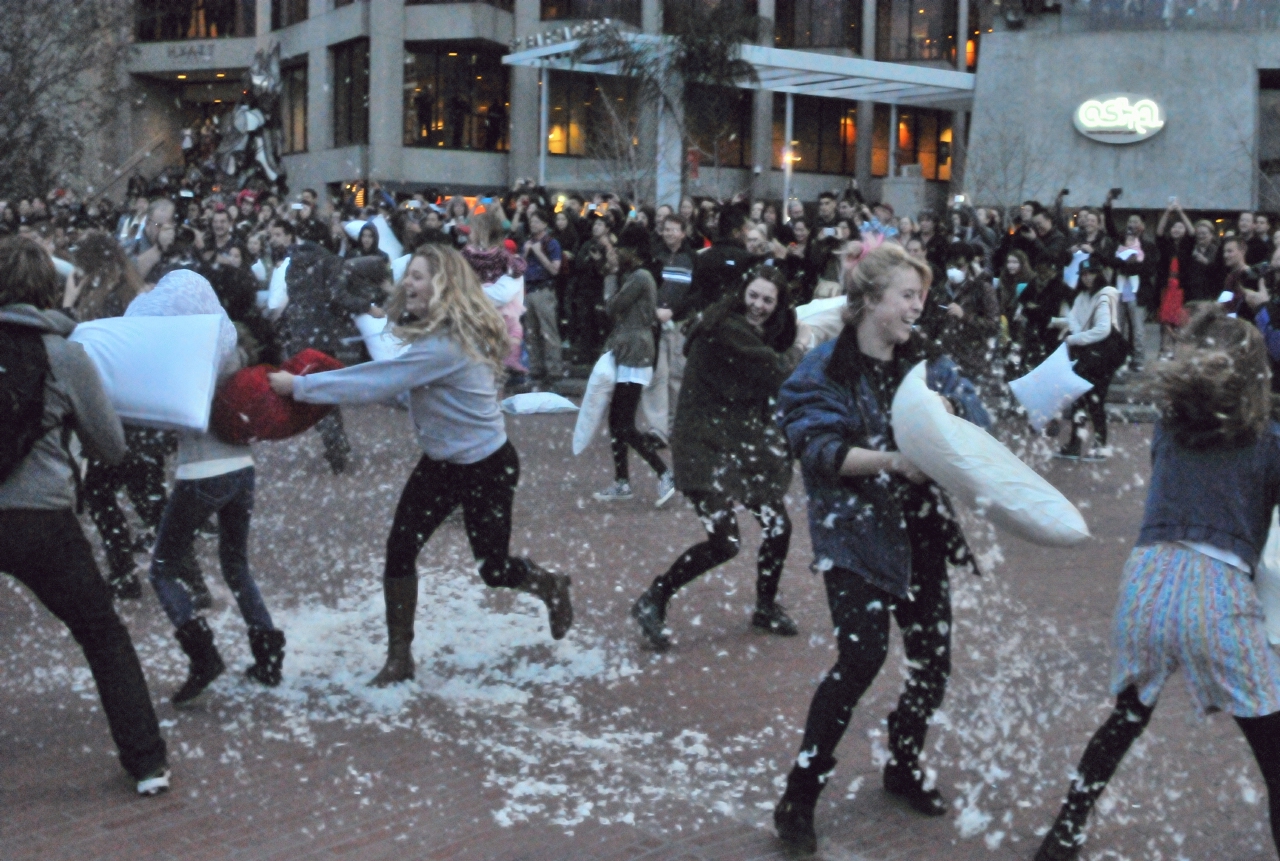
(1127, 721)
(1092, 404)
(485, 490)
(141, 474)
(623, 433)
(860, 613)
(722, 545)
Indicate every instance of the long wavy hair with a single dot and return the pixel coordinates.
(1216, 393)
(779, 331)
(459, 308)
(107, 273)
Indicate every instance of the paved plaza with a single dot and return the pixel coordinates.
(509, 746)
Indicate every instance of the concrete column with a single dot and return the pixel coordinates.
(651, 16)
(762, 116)
(669, 166)
(959, 120)
(386, 90)
(962, 35)
(523, 158)
(262, 23)
(319, 99)
(866, 110)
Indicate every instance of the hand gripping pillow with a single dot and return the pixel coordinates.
(974, 467)
(538, 402)
(246, 410)
(1267, 580)
(1049, 388)
(378, 340)
(595, 401)
(158, 372)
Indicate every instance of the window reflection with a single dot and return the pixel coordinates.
(621, 10)
(818, 24)
(175, 20)
(825, 132)
(455, 96)
(915, 29)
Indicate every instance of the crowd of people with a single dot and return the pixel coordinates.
(696, 306)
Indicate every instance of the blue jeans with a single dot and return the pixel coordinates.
(192, 502)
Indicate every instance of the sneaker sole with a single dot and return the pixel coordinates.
(150, 786)
(601, 497)
(665, 498)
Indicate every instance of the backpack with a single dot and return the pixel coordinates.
(24, 366)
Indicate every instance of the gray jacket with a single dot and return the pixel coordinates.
(73, 397)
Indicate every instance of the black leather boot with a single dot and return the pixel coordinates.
(793, 817)
(196, 640)
(402, 605)
(903, 776)
(267, 645)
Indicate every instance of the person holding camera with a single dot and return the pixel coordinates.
(1134, 262)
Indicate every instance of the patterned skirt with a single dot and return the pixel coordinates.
(1179, 608)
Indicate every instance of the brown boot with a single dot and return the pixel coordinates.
(402, 606)
(552, 590)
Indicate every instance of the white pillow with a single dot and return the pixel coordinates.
(974, 467)
(378, 340)
(1049, 388)
(595, 401)
(1267, 580)
(398, 266)
(278, 289)
(1071, 273)
(819, 306)
(538, 402)
(387, 242)
(157, 371)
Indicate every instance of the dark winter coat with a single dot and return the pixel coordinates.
(725, 440)
(633, 309)
(310, 320)
(829, 406)
(971, 340)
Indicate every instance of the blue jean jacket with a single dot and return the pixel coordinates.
(858, 523)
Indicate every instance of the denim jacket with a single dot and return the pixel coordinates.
(859, 523)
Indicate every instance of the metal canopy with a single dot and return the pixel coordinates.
(804, 73)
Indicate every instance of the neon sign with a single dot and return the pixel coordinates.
(1119, 118)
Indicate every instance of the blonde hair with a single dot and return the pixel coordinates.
(486, 229)
(459, 308)
(1217, 391)
(865, 283)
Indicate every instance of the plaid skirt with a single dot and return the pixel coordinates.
(1179, 608)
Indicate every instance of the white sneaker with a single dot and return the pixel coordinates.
(666, 488)
(617, 491)
(154, 783)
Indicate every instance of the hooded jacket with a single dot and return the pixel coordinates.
(73, 398)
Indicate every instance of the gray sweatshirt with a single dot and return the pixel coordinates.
(73, 395)
(453, 398)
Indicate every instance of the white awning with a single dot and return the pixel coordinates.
(804, 73)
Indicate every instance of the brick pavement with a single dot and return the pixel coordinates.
(510, 747)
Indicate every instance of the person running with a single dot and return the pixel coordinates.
(633, 307)
(452, 372)
(41, 542)
(213, 477)
(1187, 597)
(726, 447)
(882, 532)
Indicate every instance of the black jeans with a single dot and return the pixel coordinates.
(48, 553)
(860, 613)
(716, 513)
(485, 490)
(623, 433)
(141, 475)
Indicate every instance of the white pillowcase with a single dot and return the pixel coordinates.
(1267, 580)
(157, 371)
(595, 401)
(538, 402)
(378, 340)
(974, 467)
(278, 289)
(1049, 388)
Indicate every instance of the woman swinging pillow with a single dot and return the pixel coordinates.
(452, 369)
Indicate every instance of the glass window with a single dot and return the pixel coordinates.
(818, 24)
(915, 30)
(508, 5)
(591, 116)
(286, 12)
(174, 20)
(923, 137)
(351, 92)
(825, 134)
(621, 10)
(719, 123)
(456, 96)
(671, 10)
(293, 105)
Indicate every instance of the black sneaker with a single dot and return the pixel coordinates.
(774, 620)
(649, 614)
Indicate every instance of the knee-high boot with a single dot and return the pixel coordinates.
(402, 605)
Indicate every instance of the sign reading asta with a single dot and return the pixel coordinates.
(1119, 118)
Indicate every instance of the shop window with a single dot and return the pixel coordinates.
(591, 116)
(923, 137)
(351, 92)
(505, 5)
(673, 9)
(818, 24)
(627, 11)
(456, 96)
(293, 105)
(287, 12)
(915, 29)
(176, 20)
(825, 132)
(719, 123)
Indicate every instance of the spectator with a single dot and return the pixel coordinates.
(542, 256)
(1175, 244)
(719, 269)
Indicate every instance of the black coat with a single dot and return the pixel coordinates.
(725, 440)
(310, 320)
(716, 270)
